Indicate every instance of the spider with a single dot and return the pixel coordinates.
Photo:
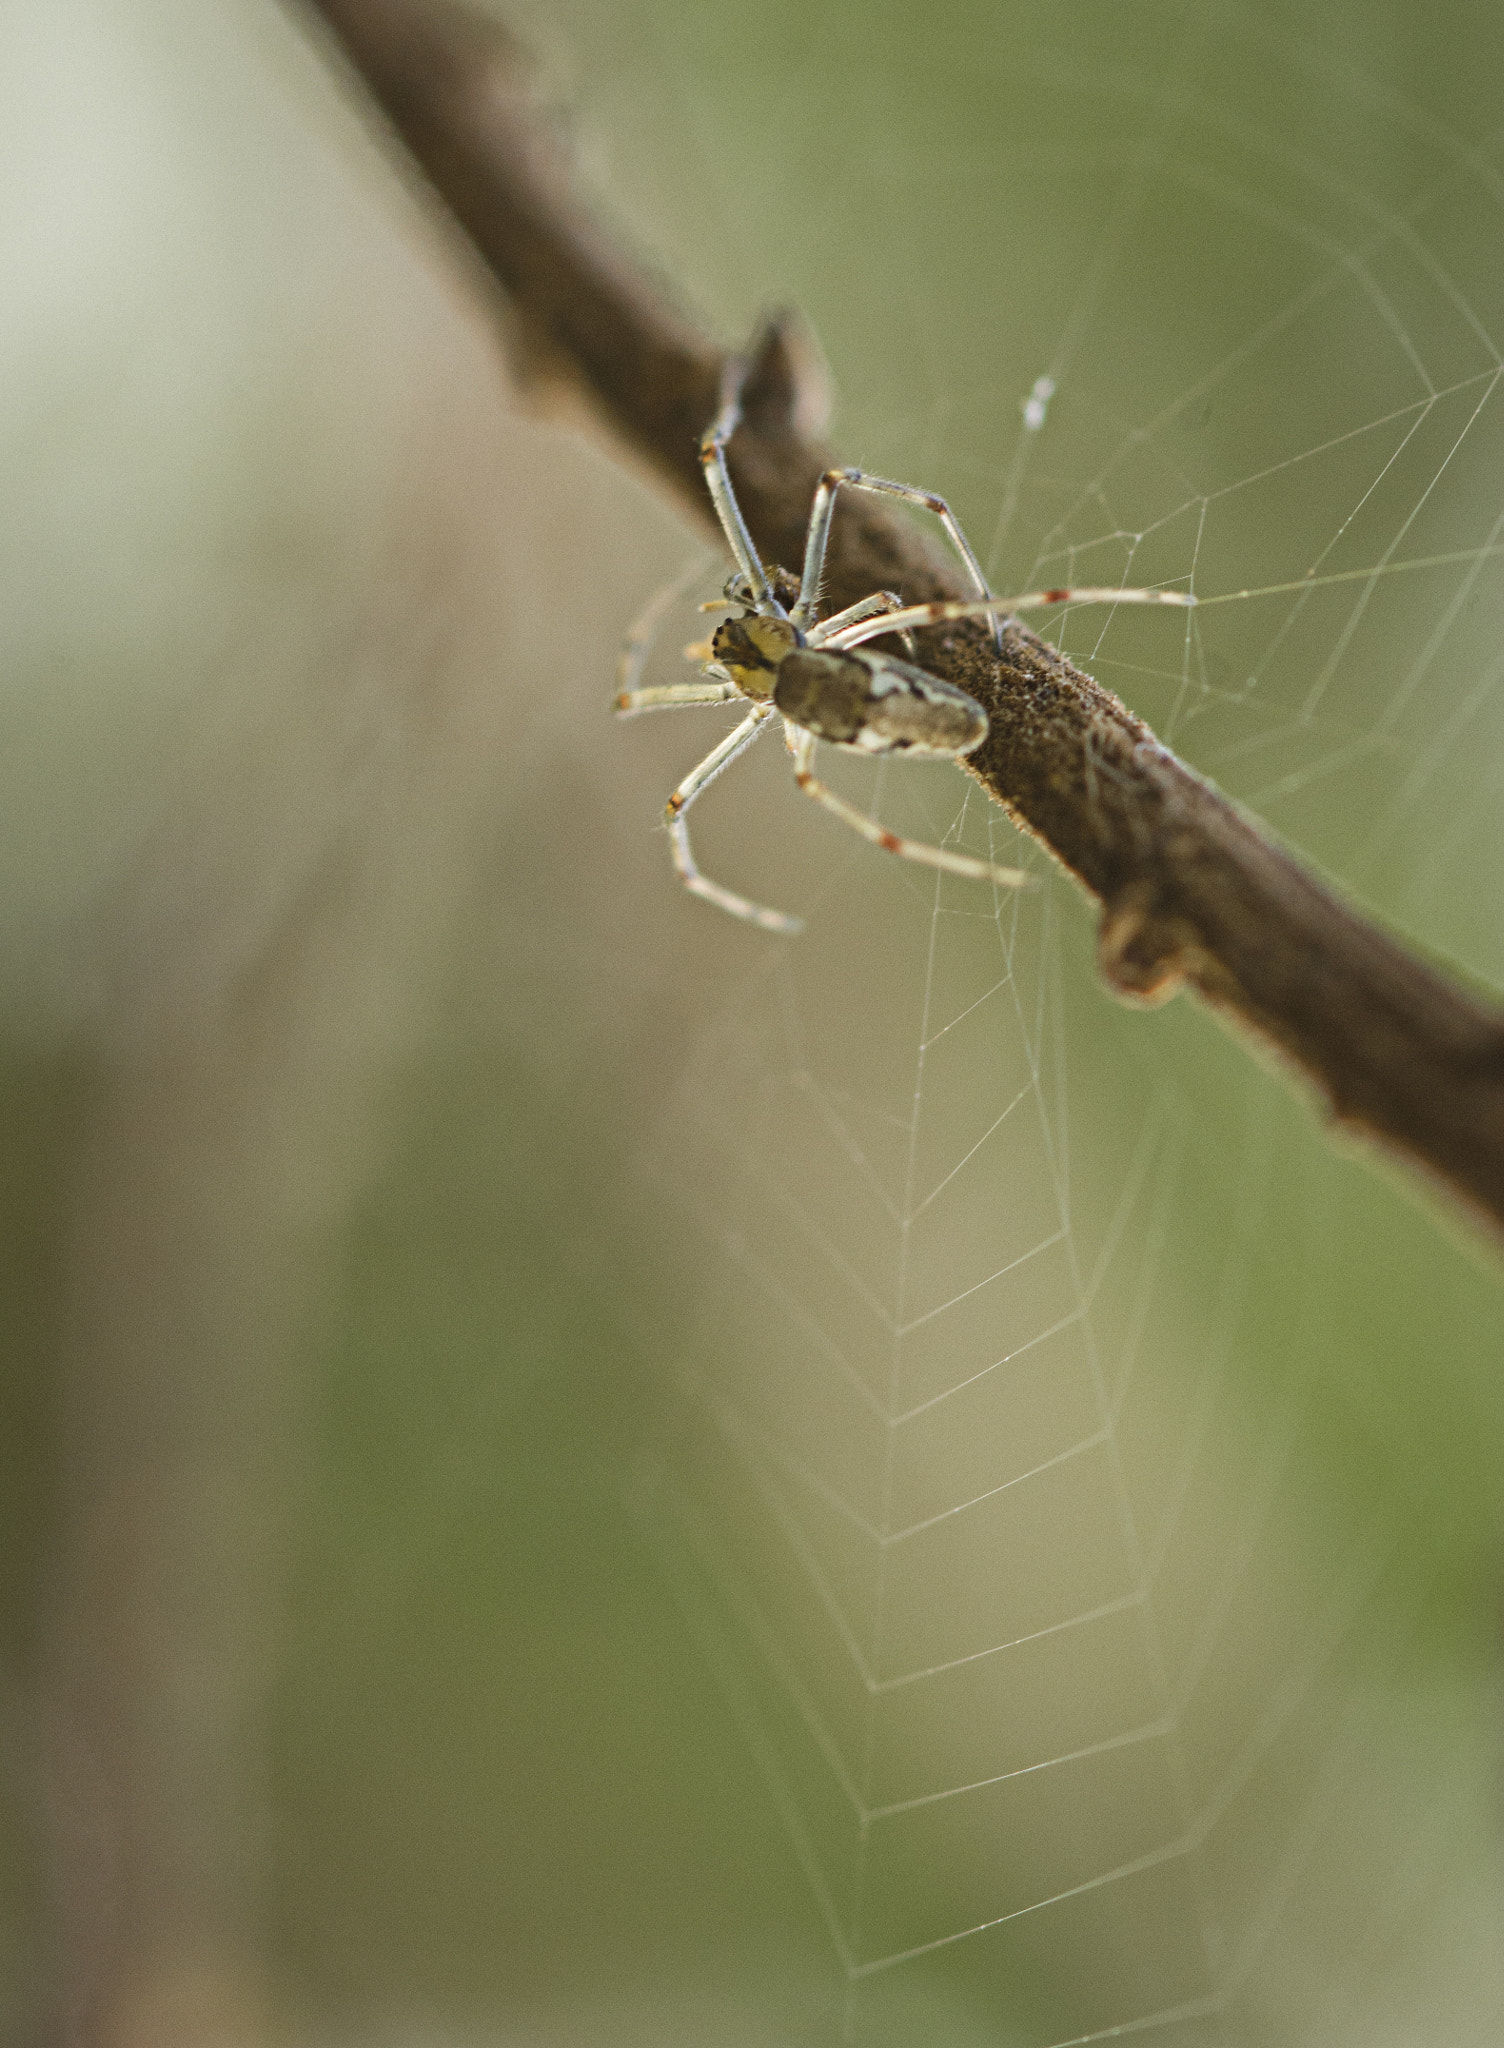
(785, 664)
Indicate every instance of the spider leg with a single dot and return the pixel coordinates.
(983, 608)
(864, 608)
(668, 695)
(643, 631)
(817, 537)
(907, 849)
(736, 742)
(718, 482)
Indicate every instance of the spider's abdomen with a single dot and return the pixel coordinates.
(875, 705)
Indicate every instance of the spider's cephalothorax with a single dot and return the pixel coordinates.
(752, 648)
(786, 665)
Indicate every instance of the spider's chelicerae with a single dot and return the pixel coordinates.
(786, 664)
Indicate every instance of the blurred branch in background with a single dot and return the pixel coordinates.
(256, 745)
(1192, 891)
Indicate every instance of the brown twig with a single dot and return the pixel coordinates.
(1192, 891)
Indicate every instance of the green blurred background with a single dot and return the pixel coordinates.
(454, 1284)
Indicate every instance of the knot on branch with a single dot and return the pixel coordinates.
(1145, 952)
(786, 394)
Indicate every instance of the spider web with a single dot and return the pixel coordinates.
(1050, 1480)
(1077, 1476)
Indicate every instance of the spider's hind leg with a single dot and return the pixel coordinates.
(803, 750)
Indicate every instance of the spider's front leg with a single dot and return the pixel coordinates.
(641, 634)
(627, 702)
(736, 742)
(878, 605)
(713, 444)
(817, 536)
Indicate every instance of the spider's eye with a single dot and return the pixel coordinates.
(750, 649)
